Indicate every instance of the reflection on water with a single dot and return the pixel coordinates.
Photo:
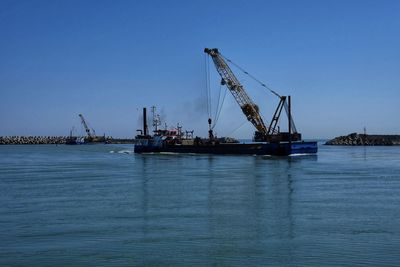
(226, 204)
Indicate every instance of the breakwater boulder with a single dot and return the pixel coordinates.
(355, 139)
(52, 140)
(32, 140)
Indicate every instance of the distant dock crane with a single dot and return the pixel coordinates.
(90, 132)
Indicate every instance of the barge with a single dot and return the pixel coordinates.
(176, 141)
(267, 140)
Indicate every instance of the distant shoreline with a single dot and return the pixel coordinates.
(51, 140)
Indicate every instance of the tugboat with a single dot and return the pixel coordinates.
(267, 140)
(74, 140)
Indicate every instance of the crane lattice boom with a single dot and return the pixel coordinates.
(250, 110)
(87, 129)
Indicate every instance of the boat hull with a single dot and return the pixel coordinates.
(280, 149)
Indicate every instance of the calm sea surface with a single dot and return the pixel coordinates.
(101, 205)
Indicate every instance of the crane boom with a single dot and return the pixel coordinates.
(87, 129)
(249, 108)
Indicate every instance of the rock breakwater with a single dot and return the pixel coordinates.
(32, 140)
(355, 139)
(52, 140)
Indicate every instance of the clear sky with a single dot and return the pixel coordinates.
(339, 60)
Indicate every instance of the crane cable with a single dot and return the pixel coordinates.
(251, 76)
(219, 105)
(264, 85)
(208, 91)
(237, 128)
(208, 94)
(291, 117)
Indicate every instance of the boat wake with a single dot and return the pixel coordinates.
(124, 151)
(301, 154)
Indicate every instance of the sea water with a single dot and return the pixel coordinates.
(102, 205)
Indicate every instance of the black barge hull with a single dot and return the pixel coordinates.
(279, 149)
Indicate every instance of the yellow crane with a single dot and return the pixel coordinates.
(90, 132)
(249, 108)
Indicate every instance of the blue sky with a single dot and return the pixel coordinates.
(339, 60)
